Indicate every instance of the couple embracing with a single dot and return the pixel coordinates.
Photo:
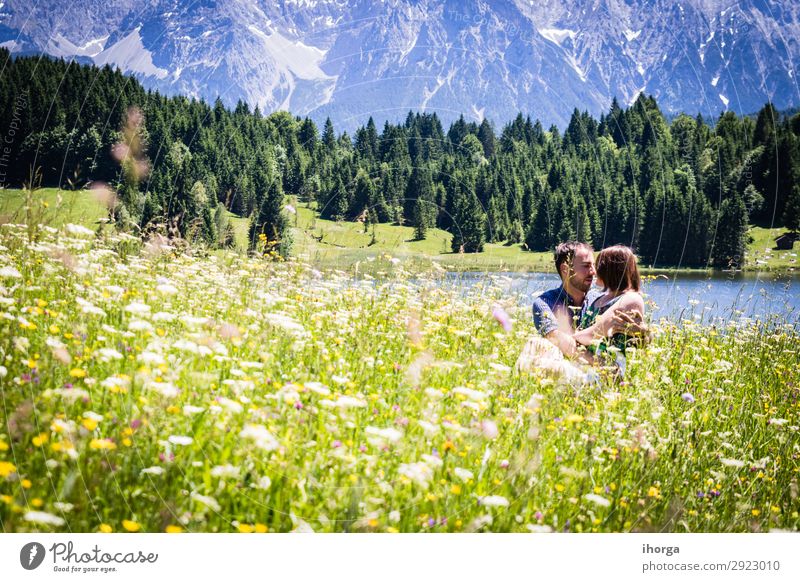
(579, 322)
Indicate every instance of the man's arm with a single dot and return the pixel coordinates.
(548, 325)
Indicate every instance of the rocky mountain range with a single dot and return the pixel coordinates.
(349, 59)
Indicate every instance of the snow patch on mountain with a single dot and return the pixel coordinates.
(129, 54)
(293, 56)
(557, 35)
(630, 35)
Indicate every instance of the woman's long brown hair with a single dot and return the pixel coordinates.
(617, 268)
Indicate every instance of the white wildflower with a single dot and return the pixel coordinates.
(384, 434)
(10, 272)
(167, 289)
(419, 473)
(140, 325)
(206, 500)
(108, 354)
(475, 395)
(43, 518)
(597, 499)
(493, 501)
(225, 471)
(262, 437)
(464, 474)
(434, 462)
(318, 388)
(166, 389)
(78, 230)
(732, 462)
(181, 440)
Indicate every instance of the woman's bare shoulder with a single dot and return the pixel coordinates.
(630, 300)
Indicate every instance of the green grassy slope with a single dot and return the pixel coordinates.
(342, 244)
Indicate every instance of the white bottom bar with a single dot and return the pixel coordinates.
(385, 557)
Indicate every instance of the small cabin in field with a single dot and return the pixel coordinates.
(785, 242)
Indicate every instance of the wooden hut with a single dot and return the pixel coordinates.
(785, 242)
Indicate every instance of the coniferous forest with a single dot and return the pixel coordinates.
(680, 191)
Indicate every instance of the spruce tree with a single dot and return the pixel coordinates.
(469, 227)
(791, 216)
(731, 244)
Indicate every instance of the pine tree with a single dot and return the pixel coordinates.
(419, 219)
(269, 221)
(731, 244)
(791, 216)
(469, 227)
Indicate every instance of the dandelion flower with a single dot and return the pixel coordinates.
(6, 469)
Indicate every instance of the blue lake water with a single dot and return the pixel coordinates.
(677, 296)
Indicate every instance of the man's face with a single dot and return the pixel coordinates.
(582, 274)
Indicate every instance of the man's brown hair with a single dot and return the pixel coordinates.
(616, 267)
(565, 253)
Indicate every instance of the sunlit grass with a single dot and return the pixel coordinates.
(144, 390)
(57, 207)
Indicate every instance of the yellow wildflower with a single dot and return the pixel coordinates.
(6, 469)
(105, 528)
(102, 444)
(130, 525)
(173, 529)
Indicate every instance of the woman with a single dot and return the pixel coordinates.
(616, 317)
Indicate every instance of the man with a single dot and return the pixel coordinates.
(556, 312)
